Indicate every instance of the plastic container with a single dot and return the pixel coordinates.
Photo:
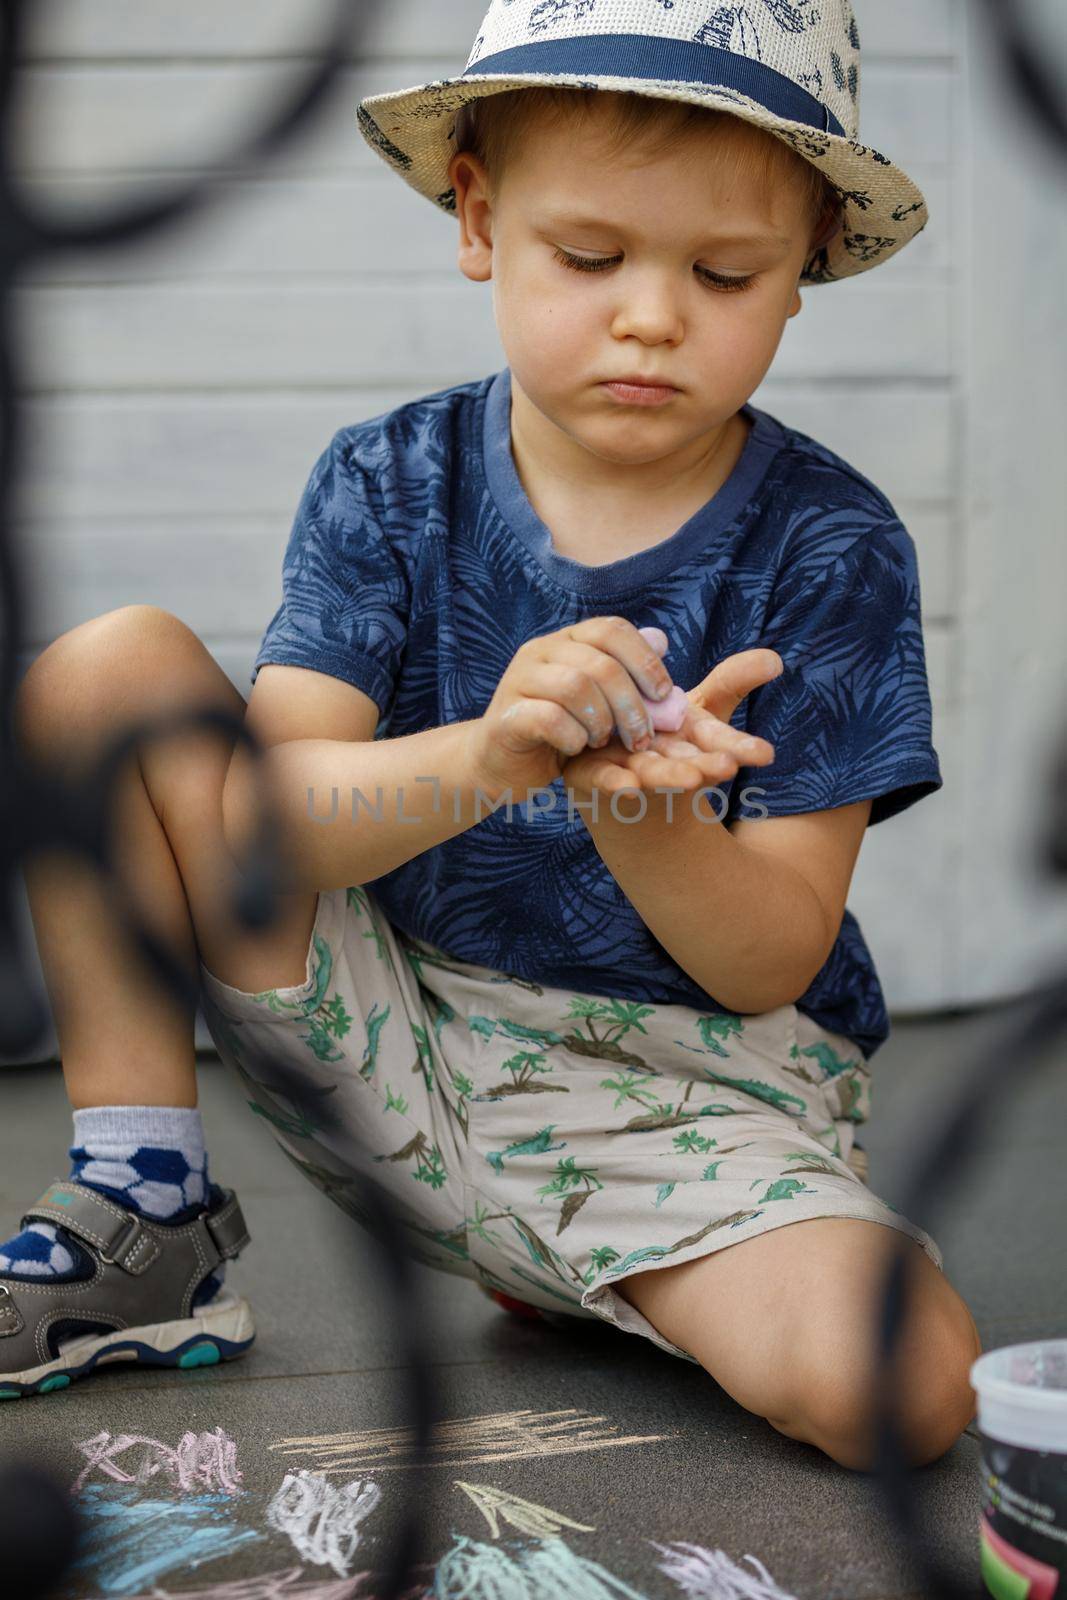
(1022, 1423)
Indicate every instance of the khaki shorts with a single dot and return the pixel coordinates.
(545, 1143)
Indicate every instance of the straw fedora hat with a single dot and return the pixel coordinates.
(791, 67)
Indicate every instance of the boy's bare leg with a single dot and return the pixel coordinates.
(786, 1323)
(123, 1039)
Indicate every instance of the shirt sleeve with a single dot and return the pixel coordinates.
(850, 716)
(345, 589)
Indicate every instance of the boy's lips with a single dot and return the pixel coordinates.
(640, 391)
(634, 381)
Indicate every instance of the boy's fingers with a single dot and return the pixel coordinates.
(731, 679)
(686, 768)
(676, 762)
(672, 759)
(710, 733)
(605, 775)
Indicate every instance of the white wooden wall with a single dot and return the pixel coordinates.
(179, 392)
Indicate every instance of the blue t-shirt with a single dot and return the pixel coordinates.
(417, 566)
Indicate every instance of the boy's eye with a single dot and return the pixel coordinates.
(600, 263)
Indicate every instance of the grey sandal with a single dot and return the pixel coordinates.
(138, 1304)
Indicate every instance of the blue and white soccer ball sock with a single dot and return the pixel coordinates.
(150, 1159)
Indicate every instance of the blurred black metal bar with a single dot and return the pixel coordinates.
(39, 809)
(1036, 1022)
(1040, 1017)
(30, 816)
(1043, 97)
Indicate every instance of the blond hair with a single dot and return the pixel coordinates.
(492, 126)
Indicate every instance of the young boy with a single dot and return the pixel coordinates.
(468, 575)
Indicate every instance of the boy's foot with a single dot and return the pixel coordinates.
(517, 1308)
(137, 1304)
(528, 1313)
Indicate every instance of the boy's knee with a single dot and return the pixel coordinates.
(933, 1400)
(97, 672)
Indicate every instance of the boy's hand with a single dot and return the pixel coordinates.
(705, 750)
(561, 693)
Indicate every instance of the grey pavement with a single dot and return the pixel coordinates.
(592, 1462)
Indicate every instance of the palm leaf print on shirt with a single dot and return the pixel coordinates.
(405, 542)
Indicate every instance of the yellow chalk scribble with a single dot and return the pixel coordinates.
(464, 1441)
(524, 1515)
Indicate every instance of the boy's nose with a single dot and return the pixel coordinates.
(650, 308)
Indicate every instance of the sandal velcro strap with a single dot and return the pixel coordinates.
(11, 1319)
(227, 1227)
(120, 1237)
(115, 1233)
(146, 1272)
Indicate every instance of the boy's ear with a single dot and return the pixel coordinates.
(474, 211)
(832, 223)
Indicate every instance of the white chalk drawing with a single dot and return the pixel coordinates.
(524, 1515)
(547, 1570)
(322, 1520)
(711, 1575)
(200, 1461)
(464, 1441)
(468, 1571)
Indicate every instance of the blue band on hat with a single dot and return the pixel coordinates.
(639, 55)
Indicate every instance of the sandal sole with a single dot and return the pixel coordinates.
(219, 1331)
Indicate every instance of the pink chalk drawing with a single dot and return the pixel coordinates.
(201, 1460)
(322, 1520)
(289, 1585)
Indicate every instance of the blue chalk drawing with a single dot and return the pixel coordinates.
(132, 1540)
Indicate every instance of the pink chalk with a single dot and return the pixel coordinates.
(666, 716)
